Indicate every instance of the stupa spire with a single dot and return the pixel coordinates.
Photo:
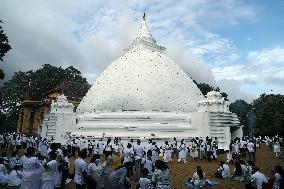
(144, 32)
(144, 38)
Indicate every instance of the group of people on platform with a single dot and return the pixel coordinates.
(46, 165)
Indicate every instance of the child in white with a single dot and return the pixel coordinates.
(3, 173)
(168, 154)
(144, 182)
(14, 178)
(276, 149)
(182, 153)
(149, 162)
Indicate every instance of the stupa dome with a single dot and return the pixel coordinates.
(144, 78)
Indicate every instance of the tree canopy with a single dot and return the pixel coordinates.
(269, 114)
(4, 47)
(34, 85)
(205, 88)
(242, 109)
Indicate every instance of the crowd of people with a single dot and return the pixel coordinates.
(46, 165)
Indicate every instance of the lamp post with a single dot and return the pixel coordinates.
(252, 122)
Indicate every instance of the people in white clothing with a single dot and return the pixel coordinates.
(278, 177)
(138, 156)
(81, 169)
(3, 173)
(258, 178)
(251, 150)
(93, 171)
(276, 149)
(182, 153)
(14, 178)
(50, 167)
(161, 177)
(198, 178)
(223, 171)
(144, 182)
(31, 178)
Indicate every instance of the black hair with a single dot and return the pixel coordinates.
(149, 153)
(94, 158)
(126, 165)
(278, 169)
(52, 155)
(108, 140)
(145, 172)
(200, 172)
(161, 165)
(83, 154)
(14, 154)
(30, 151)
(256, 169)
(251, 163)
(4, 154)
(238, 169)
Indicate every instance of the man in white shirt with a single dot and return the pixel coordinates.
(258, 178)
(138, 154)
(251, 150)
(223, 171)
(81, 169)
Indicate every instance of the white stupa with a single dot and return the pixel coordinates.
(144, 78)
(145, 94)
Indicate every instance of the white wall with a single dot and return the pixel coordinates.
(201, 121)
(65, 123)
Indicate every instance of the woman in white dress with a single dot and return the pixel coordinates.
(198, 178)
(276, 149)
(104, 172)
(31, 178)
(182, 153)
(3, 173)
(161, 177)
(93, 171)
(194, 150)
(148, 162)
(14, 178)
(278, 177)
(167, 153)
(14, 160)
(48, 175)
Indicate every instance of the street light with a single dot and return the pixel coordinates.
(252, 122)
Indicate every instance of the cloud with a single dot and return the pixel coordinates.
(89, 35)
(263, 69)
(233, 89)
(193, 66)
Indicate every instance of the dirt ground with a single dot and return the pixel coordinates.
(265, 160)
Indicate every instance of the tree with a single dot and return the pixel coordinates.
(269, 114)
(241, 108)
(205, 88)
(34, 85)
(4, 48)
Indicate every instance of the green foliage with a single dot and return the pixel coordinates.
(269, 114)
(241, 108)
(269, 111)
(205, 88)
(4, 47)
(34, 85)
